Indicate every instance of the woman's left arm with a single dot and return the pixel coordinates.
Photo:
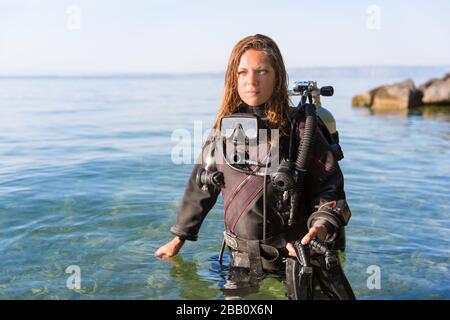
(324, 185)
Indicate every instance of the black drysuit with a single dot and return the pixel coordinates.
(243, 215)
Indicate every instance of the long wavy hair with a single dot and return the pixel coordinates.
(278, 104)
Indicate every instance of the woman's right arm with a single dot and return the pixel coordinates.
(195, 205)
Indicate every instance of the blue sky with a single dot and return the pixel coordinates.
(40, 37)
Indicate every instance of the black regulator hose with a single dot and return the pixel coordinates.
(303, 152)
(307, 141)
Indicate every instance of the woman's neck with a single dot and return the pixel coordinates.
(259, 109)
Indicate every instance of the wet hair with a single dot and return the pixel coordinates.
(278, 104)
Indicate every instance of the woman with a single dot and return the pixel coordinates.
(256, 84)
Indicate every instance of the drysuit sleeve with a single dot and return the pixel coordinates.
(195, 204)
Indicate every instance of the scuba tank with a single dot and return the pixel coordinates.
(325, 117)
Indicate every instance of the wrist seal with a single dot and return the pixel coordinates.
(335, 214)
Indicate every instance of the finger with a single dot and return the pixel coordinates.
(305, 240)
(160, 252)
(165, 257)
(291, 250)
(311, 234)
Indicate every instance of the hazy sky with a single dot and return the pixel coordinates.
(109, 36)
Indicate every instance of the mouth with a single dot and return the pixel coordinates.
(251, 92)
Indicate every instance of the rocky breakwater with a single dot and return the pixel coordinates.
(405, 95)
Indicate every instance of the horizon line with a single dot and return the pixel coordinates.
(137, 74)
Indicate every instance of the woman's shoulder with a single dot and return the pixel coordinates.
(291, 110)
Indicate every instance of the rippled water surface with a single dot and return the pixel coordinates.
(87, 180)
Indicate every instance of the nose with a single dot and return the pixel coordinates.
(252, 78)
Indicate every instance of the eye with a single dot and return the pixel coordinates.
(241, 72)
(262, 72)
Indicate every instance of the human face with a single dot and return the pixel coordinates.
(256, 77)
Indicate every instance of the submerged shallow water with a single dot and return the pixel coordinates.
(87, 180)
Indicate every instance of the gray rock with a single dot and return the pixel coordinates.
(397, 96)
(436, 91)
(364, 99)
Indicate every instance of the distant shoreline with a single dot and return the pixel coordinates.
(349, 71)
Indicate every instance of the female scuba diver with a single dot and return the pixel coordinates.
(269, 218)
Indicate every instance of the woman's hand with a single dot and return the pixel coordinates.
(170, 249)
(319, 231)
